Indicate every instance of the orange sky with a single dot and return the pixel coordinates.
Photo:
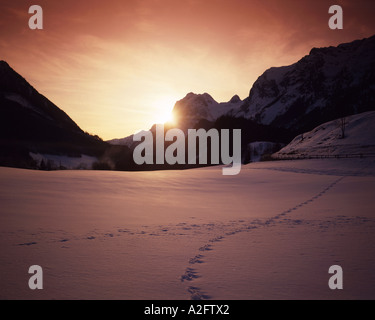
(118, 66)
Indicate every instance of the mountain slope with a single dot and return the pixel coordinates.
(188, 111)
(326, 140)
(29, 122)
(327, 84)
(324, 85)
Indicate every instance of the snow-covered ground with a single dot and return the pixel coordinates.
(326, 139)
(272, 232)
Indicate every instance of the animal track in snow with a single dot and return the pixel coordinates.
(241, 226)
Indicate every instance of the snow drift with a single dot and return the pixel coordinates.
(326, 140)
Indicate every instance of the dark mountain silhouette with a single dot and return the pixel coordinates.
(29, 122)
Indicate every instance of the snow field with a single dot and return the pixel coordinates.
(270, 232)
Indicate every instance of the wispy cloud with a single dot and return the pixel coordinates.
(106, 64)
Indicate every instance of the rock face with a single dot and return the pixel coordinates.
(190, 110)
(324, 85)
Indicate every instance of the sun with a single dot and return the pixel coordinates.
(163, 107)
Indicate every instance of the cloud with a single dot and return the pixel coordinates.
(105, 63)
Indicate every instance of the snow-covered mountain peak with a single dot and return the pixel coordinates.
(195, 107)
(327, 82)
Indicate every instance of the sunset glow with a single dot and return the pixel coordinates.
(187, 157)
(163, 109)
(117, 66)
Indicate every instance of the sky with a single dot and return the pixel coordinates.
(118, 66)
